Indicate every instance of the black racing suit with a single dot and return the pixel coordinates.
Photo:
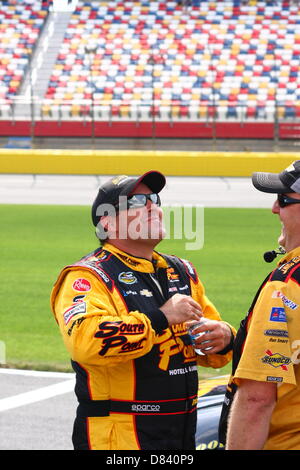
(136, 377)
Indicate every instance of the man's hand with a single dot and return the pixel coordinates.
(217, 336)
(181, 308)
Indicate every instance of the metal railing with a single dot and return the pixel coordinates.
(91, 113)
(35, 109)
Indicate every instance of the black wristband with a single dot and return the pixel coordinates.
(158, 320)
(229, 345)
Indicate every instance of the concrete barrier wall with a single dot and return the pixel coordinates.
(171, 163)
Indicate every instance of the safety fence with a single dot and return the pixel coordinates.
(93, 119)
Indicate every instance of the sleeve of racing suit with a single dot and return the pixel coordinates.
(269, 350)
(210, 311)
(96, 325)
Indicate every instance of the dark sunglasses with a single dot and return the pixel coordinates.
(137, 201)
(284, 201)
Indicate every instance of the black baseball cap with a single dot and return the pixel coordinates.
(288, 181)
(124, 185)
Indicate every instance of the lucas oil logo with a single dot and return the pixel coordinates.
(127, 277)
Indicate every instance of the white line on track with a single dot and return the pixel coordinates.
(38, 373)
(40, 394)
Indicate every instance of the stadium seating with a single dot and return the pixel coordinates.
(240, 58)
(20, 26)
(129, 60)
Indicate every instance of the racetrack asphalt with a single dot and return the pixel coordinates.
(81, 190)
(37, 409)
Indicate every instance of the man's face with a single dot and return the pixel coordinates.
(139, 224)
(290, 220)
(146, 222)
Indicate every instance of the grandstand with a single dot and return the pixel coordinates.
(123, 68)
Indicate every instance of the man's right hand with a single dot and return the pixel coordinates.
(181, 308)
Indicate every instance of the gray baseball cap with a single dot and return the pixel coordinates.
(123, 185)
(288, 181)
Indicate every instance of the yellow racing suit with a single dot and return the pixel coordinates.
(136, 377)
(267, 348)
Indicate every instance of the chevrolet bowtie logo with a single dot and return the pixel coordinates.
(146, 293)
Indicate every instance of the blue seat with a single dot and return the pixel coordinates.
(290, 112)
(231, 112)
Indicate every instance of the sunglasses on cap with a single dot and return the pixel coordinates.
(137, 201)
(284, 201)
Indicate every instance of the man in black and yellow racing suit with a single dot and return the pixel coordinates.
(122, 311)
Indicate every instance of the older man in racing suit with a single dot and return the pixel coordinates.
(261, 409)
(122, 311)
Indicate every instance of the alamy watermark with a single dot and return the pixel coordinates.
(184, 223)
(63, 5)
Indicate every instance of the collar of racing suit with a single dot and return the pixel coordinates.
(139, 264)
(289, 256)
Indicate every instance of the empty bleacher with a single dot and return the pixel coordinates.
(231, 60)
(228, 61)
(20, 26)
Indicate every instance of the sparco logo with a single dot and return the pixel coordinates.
(145, 408)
